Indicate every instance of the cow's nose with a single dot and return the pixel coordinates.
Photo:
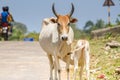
(64, 38)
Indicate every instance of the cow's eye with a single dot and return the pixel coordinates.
(68, 24)
(58, 24)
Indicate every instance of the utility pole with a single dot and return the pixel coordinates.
(108, 3)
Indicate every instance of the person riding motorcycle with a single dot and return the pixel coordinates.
(4, 23)
(6, 18)
(9, 19)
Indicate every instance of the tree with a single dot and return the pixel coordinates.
(88, 26)
(117, 20)
(20, 26)
(19, 30)
(100, 24)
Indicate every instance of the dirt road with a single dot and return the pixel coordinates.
(23, 61)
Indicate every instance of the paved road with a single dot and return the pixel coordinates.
(23, 61)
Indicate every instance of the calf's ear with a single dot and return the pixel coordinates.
(73, 20)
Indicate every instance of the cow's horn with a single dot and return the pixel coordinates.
(72, 10)
(53, 9)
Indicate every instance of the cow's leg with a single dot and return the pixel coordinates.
(67, 67)
(55, 71)
(51, 66)
(81, 71)
(75, 68)
(59, 70)
(58, 67)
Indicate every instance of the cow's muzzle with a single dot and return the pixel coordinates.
(64, 38)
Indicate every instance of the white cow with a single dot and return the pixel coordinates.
(80, 56)
(55, 38)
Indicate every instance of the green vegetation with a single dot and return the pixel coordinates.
(107, 61)
(77, 32)
(89, 26)
(118, 20)
(19, 30)
(33, 35)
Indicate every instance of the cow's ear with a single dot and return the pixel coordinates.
(45, 22)
(53, 20)
(73, 20)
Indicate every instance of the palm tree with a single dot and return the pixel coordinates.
(88, 26)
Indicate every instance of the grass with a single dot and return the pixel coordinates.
(108, 61)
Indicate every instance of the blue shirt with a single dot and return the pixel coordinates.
(4, 16)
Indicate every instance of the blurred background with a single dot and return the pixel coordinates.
(28, 15)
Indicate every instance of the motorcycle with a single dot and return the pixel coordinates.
(5, 31)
